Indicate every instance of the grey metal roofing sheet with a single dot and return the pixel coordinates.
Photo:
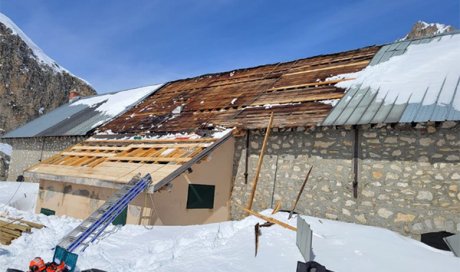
(72, 119)
(363, 104)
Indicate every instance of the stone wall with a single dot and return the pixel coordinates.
(29, 151)
(408, 178)
(4, 163)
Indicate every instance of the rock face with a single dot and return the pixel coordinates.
(423, 29)
(31, 83)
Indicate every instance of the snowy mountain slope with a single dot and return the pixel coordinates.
(31, 83)
(37, 51)
(229, 247)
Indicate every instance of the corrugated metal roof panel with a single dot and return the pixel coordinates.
(387, 100)
(82, 116)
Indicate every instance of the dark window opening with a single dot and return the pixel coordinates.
(47, 212)
(200, 196)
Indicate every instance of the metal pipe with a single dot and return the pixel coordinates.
(355, 162)
(247, 158)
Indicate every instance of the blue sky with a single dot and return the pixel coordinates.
(121, 44)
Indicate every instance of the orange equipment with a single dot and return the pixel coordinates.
(37, 264)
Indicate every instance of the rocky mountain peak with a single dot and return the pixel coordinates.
(31, 83)
(423, 29)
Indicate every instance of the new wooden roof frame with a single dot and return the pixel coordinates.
(116, 185)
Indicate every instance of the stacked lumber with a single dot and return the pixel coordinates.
(11, 229)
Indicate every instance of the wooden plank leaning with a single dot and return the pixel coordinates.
(270, 219)
(259, 163)
(300, 193)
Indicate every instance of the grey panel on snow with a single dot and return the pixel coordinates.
(360, 105)
(352, 104)
(304, 239)
(341, 105)
(67, 124)
(72, 119)
(36, 126)
(454, 243)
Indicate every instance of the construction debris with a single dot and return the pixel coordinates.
(300, 193)
(11, 228)
(259, 233)
(277, 207)
(269, 219)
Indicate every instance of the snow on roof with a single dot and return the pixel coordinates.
(115, 103)
(6, 149)
(38, 53)
(82, 116)
(409, 81)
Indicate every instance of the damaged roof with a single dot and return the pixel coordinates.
(300, 93)
(406, 82)
(82, 116)
(111, 162)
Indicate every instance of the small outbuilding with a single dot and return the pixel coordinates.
(65, 126)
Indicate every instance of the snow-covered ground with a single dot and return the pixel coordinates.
(6, 149)
(19, 195)
(229, 246)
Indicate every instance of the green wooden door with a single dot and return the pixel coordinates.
(121, 218)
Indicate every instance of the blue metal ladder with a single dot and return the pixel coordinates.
(90, 229)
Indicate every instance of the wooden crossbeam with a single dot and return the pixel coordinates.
(88, 154)
(169, 145)
(360, 55)
(299, 98)
(311, 84)
(360, 63)
(89, 147)
(149, 159)
(176, 140)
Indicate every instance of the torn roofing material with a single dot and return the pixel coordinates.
(407, 81)
(297, 92)
(111, 162)
(83, 115)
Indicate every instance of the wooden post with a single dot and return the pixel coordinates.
(300, 193)
(259, 163)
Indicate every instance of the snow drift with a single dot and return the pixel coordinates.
(229, 246)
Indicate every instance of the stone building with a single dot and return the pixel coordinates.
(65, 126)
(379, 125)
(388, 154)
(164, 136)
